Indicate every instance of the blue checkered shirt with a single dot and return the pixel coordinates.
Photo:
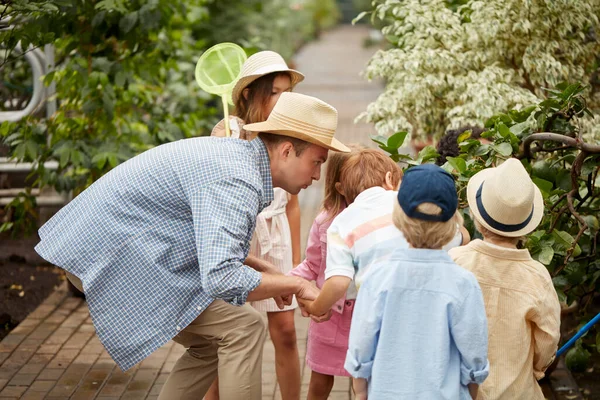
(161, 236)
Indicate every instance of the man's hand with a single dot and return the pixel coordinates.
(283, 301)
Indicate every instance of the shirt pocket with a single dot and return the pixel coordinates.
(325, 332)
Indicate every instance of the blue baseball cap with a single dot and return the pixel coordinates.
(428, 183)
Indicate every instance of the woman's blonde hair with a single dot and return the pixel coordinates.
(426, 234)
(334, 202)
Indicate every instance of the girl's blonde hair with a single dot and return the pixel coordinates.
(334, 202)
(492, 236)
(426, 234)
(251, 109)
(365, 169)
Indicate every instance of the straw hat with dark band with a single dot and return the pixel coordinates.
(303, 117)
(261, 64)
(505, 200)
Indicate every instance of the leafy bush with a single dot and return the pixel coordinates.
(456, 62)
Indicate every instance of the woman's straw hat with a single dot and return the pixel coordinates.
(303, 117)
(505, 200)
(261, 64)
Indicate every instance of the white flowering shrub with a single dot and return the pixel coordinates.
(452, 63)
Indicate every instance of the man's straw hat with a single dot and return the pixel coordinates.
(303, 117)
(261, 64)
(505, 200)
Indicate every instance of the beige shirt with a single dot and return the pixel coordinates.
(523, 318)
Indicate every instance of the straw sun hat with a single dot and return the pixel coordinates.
(303, 117)
(261, 64)
(505, 200)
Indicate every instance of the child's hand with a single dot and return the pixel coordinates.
(306, 309)
(360, 387)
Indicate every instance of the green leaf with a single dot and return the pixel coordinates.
(427, 154)
(49, 77)
(457, 163)
(108, 105)
(120, 78)
(544, 186)
(563, 238)
(483, 150)
(560, 281)
(396, 140)
(98, 19)
(504, 149)
(546, 255)
(127, 23)
(360, 16)
(464, 136)
(503, 130)
(519, 128)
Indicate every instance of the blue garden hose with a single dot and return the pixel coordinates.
(579, 334)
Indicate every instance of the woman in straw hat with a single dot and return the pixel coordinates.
(520, 300)
(265, 76)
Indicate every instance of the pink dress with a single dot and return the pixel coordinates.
(327, 341)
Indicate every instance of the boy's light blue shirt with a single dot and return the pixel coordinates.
(419, 328)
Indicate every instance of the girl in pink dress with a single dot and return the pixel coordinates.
(327, 341)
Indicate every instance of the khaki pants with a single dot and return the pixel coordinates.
(223, 337)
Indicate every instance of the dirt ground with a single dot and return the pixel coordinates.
(22, 288)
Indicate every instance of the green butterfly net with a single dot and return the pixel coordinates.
(217, 72)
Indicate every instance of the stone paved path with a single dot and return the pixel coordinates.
(54, 353)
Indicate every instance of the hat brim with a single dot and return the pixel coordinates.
(243, 82)
(472, 188)
(269, 127)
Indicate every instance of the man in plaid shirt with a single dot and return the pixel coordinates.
(160, 245)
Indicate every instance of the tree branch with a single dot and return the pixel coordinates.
(555, 137)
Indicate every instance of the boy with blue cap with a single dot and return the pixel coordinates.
(419, 329)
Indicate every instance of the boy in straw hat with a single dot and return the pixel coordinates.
(520, 300)
(419, 326)
(159, 247)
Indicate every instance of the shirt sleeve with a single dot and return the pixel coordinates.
(224, 215)
(310, 267)
(340, 261)
(364, 333)
(546, 332)
(470, 334)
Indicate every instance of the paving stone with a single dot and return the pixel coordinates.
(140, 385)
(12, 391)
(78, 340)
(38, 390)
(117, 383)
(36, 364)
(94, 380)
(63, 358)
(51, 373)
(60, 336)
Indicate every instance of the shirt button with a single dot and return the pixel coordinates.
(177, 327)
(340, 308)
(199, 308)
(348, 303)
